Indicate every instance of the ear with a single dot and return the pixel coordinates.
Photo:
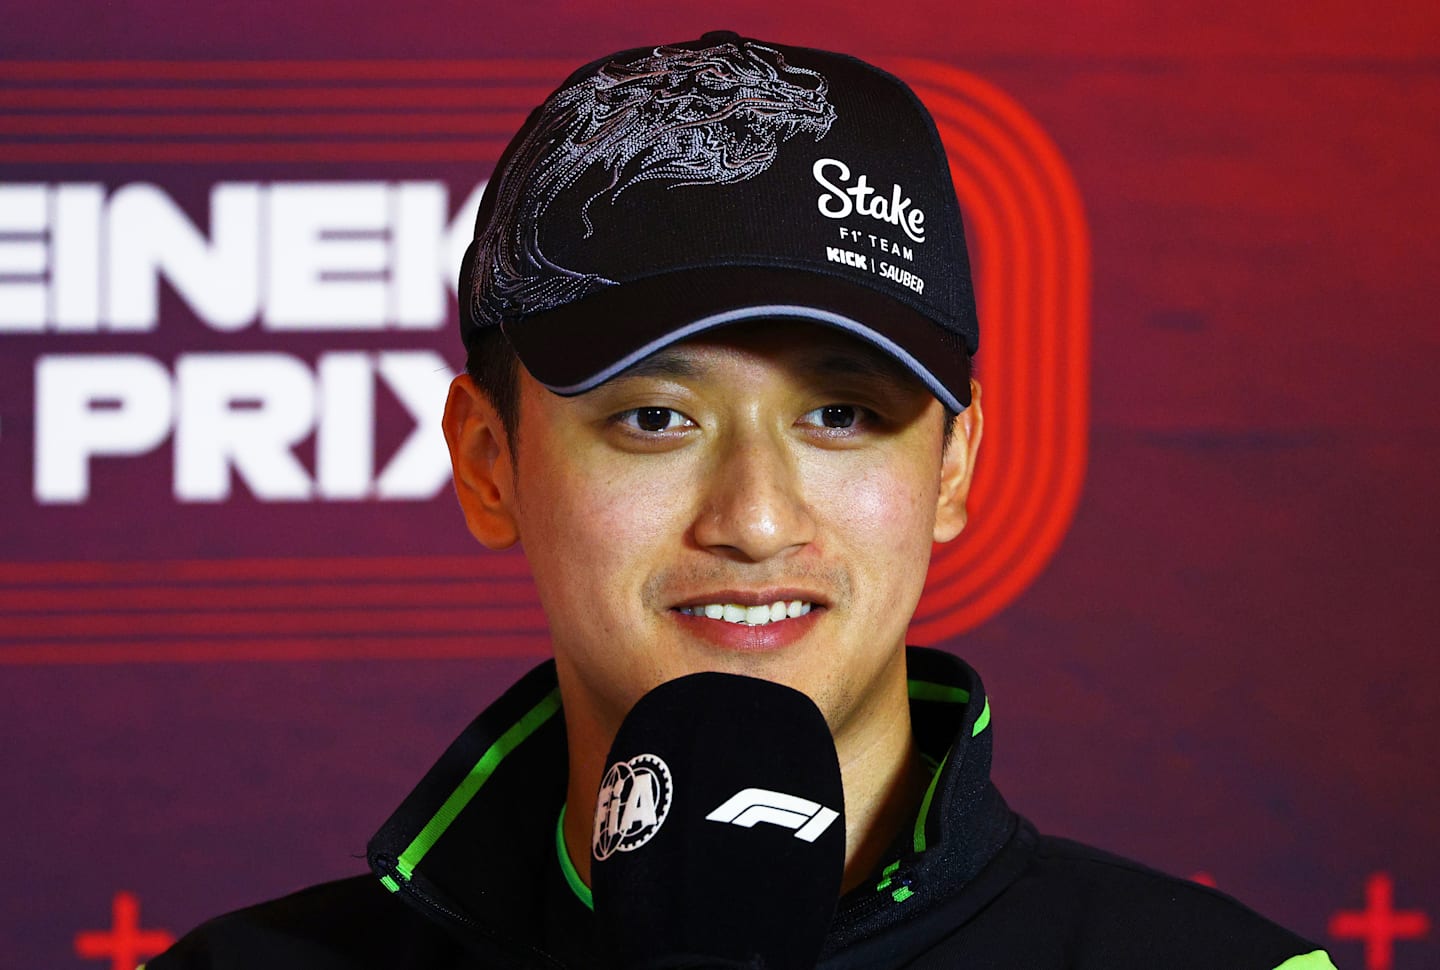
(481, 464)
(958, 468)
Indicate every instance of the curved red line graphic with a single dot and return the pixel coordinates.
(1012, 319)
(1025, 350)
(1000, 518)
(978, 576)
(1073, 378)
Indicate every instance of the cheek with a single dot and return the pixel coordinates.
(884, 507)
(590, 531)
(880, 522)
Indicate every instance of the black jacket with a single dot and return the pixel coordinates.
(471, 874)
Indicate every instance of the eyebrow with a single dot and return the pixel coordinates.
(663, 363)
(842, 364)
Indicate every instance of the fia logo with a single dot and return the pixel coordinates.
(633, 802)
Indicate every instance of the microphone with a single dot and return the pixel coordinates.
(719, 836)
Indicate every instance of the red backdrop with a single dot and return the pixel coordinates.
(239, 613)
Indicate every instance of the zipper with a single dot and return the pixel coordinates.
(895, 886)
(392, 869)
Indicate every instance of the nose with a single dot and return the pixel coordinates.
(754, 506)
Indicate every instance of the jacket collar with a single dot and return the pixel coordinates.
(473, 844)
(962, 825)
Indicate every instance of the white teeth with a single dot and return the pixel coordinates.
(750, 615)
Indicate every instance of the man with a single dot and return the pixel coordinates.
(719, 321)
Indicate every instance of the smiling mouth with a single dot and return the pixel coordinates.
(749, 615)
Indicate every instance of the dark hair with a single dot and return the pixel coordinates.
(493, 366)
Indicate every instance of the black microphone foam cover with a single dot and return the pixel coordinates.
(719, 836)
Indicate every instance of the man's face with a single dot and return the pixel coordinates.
(783, 476)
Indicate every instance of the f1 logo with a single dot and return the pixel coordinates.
(751, 805)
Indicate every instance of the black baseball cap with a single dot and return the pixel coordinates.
(664, 191)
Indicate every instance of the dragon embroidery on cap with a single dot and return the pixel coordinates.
(677, 116)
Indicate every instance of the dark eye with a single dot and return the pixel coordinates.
(653, 420)
(834, 416)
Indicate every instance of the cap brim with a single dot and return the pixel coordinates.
(580, 346)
